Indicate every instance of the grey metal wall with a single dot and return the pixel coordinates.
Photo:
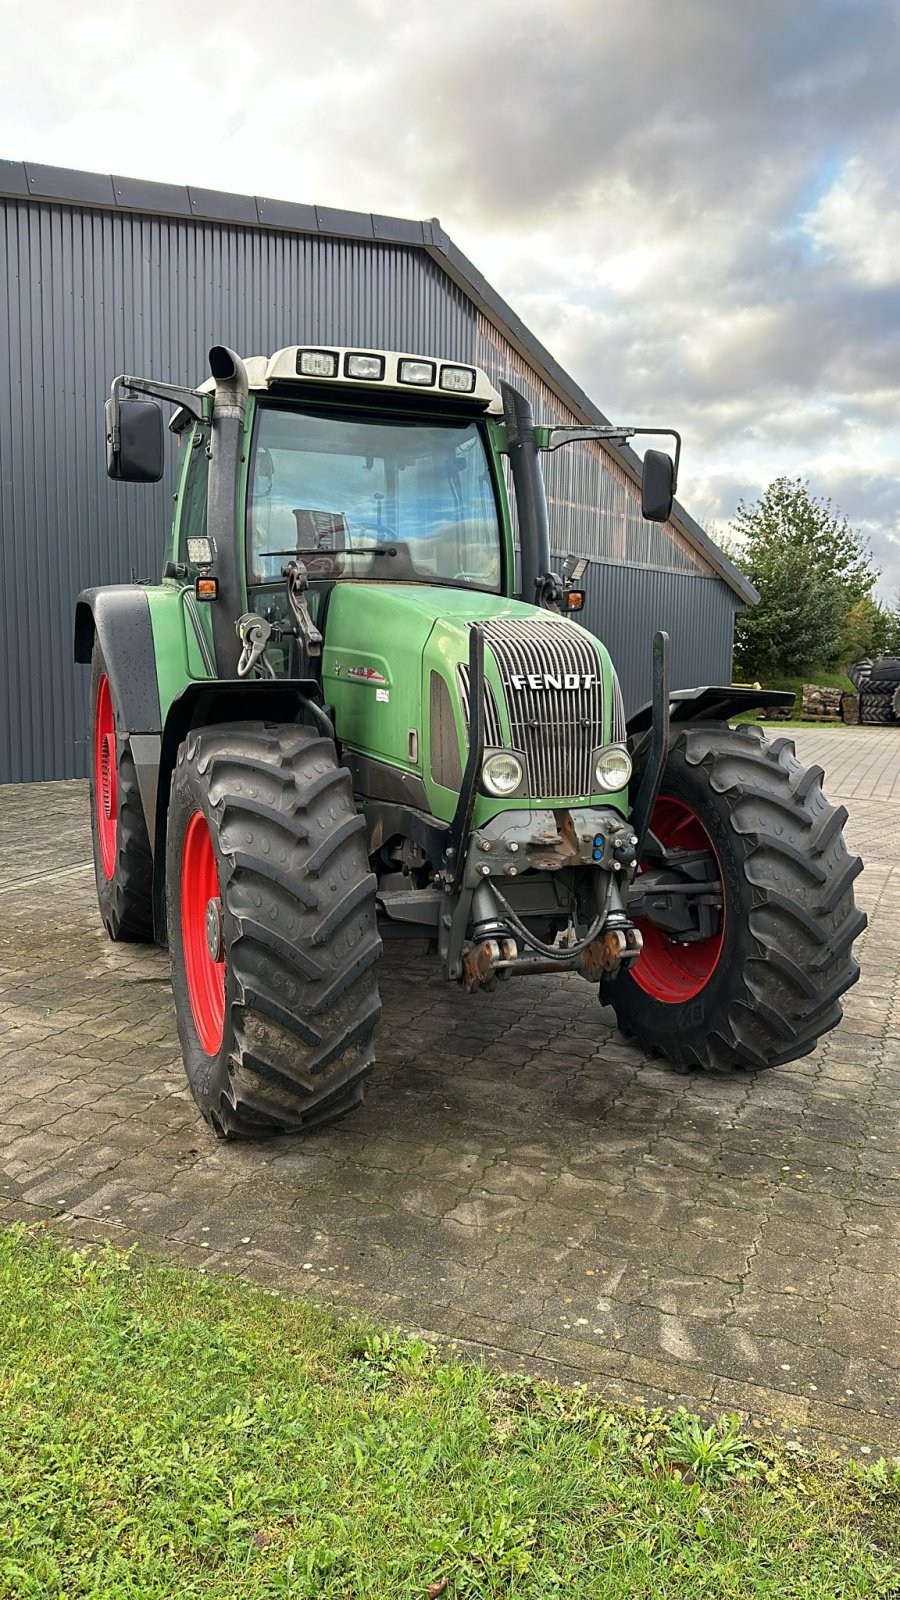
(627, 605)
(88, 293)
(93, 290)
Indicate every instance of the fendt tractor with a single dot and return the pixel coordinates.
(346, 714)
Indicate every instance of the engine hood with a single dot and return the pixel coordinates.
(394, 667)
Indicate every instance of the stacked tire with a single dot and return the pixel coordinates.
(878, 685)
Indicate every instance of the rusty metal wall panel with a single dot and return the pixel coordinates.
(86, 293)
(595, 507)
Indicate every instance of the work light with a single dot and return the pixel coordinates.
(317, 363)
(200, 552)
(502, 773)
(421, 372)
(613, 769)
(360, 366)
(461, 380)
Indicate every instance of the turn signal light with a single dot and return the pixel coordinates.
(207, 589)
(575, 599)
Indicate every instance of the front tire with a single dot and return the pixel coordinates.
(764, 988)
(272, 932)
(123, 864)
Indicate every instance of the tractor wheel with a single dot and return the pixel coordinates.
(875, 710)
(885, 672)
(895, 703)
(766, 983)
(272, 933)
(123, 864)
(860, 672)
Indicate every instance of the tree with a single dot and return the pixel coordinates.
(811, 569)
(870, 629)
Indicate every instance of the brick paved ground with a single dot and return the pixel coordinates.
(520, 1179)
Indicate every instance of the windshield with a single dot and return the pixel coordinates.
(381, 499)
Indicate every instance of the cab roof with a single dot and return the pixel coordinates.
(352, 367)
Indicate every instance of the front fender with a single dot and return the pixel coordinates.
(710, 703)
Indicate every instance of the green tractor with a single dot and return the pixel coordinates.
(342, 717)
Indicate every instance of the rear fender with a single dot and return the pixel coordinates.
(709, 704)
(119, 617)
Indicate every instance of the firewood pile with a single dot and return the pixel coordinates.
(821, 703)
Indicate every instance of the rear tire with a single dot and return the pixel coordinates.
(277, 1010)
(772, 985)
(123, 864)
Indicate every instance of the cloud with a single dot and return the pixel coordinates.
(695, 207)
(856, 225)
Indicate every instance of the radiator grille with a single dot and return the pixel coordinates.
(492, 731)
(618, 730)
(557, 729)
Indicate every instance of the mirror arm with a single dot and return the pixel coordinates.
(555, 437)
(197, 405)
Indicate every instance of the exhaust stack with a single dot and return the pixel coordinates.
(531, 500)
(226, 442)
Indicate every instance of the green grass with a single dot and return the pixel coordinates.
(166, 1435)
(827, 677)
(782, 724)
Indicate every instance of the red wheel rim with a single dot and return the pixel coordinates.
(106, 788)
(205, 971)
(670, 972)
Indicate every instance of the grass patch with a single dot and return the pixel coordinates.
(169, 1435)
(827, 677)
(824, 677)
(781, 724)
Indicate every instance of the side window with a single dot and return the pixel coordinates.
(192, 510)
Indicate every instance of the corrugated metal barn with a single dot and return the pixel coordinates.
(101, 275)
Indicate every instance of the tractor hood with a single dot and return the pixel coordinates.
(395, 669)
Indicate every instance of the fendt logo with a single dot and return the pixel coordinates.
(553, 680)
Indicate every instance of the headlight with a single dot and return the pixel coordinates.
(364, 366)
(502, 774)
(613, 769)
(416, 372)
(459, 380)
(317, 363)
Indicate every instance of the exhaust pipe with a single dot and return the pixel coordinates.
(226, 444)
(531, 499)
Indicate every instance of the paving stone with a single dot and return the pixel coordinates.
(522, 1181)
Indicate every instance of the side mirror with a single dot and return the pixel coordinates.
(657, 486)
(134, 440)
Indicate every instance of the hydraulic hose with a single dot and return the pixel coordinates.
(551, 952)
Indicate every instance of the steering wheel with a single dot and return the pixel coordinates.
(383, 533)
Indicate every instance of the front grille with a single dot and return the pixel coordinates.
(493, 735)
(618, 730)
(557, 729)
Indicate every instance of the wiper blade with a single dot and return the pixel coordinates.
(322, 550)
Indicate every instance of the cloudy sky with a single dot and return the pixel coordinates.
(695, 204)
